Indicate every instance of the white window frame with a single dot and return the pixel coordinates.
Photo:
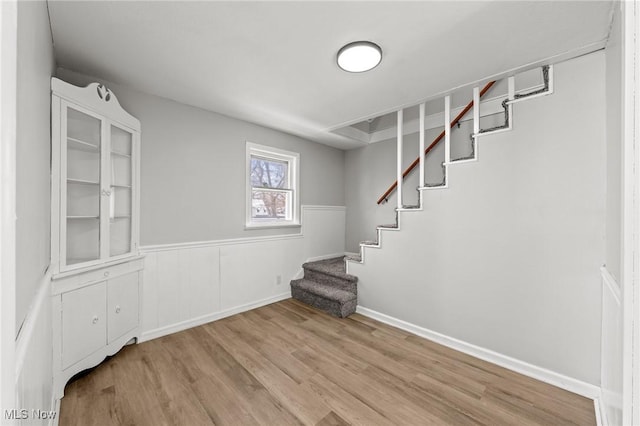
(293, 160)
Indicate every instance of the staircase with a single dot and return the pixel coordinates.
(473, 107)
(326, 286)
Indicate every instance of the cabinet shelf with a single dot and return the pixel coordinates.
(82, 181)
(82, 145)
(83, 217)
(117, 185)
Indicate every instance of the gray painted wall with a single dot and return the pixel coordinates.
(35, 67)
(507, 258)
(193, 166)
(614, 71)
(612, 324)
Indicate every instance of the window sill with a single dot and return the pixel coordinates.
(266, 225)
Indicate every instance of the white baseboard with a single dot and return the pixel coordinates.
(601, 412)
(55, 404)
(194, 322)
(568, 383)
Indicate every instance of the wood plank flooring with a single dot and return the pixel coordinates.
(287, 364)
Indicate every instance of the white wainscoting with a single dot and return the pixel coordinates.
(34, 350)
(611, 351)
(188, 284)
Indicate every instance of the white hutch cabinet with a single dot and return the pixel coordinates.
(95, 227)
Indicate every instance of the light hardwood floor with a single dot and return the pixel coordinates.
(287, 363)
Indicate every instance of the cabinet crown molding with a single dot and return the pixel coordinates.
(95, 96)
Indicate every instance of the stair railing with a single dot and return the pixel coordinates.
(423, 152)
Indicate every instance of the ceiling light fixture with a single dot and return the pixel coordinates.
(359, 56)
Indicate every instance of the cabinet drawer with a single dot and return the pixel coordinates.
(69, 282)
(83, 322)
(122, 305)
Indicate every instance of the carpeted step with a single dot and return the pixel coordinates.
(331, 272)
(333, 300)
(334, 267)
(388, 226)
(409, 207)
(354, 257)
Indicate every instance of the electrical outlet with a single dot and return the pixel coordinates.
(278, 279)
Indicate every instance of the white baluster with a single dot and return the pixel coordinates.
(421, 148)
(399, 158)
(511, 84)
(447, 130)
(476, 112)
(476, 120)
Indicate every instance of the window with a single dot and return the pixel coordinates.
(272, 184)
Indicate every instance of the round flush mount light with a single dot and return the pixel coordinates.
(359, 56)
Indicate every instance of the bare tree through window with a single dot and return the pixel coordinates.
(271, 194)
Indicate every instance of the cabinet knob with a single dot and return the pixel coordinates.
(95, 320)
(106, 273)
(117, 309)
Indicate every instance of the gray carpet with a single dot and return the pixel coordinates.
(334, 266)
(326, 286)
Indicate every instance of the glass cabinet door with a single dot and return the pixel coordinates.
(95, 174)
(83, 189)
(121, 191)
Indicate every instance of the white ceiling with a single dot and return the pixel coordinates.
(273, 63)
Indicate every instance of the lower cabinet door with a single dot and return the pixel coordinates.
(84, 322)
(122, 305)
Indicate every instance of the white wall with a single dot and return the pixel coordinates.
(33, 314)
(8, 107)
(189, 284)
(611, 370)
(611, 350)
(193, 168)
(507, 258)
(614, 75)
(34, 351)
(35, 68)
